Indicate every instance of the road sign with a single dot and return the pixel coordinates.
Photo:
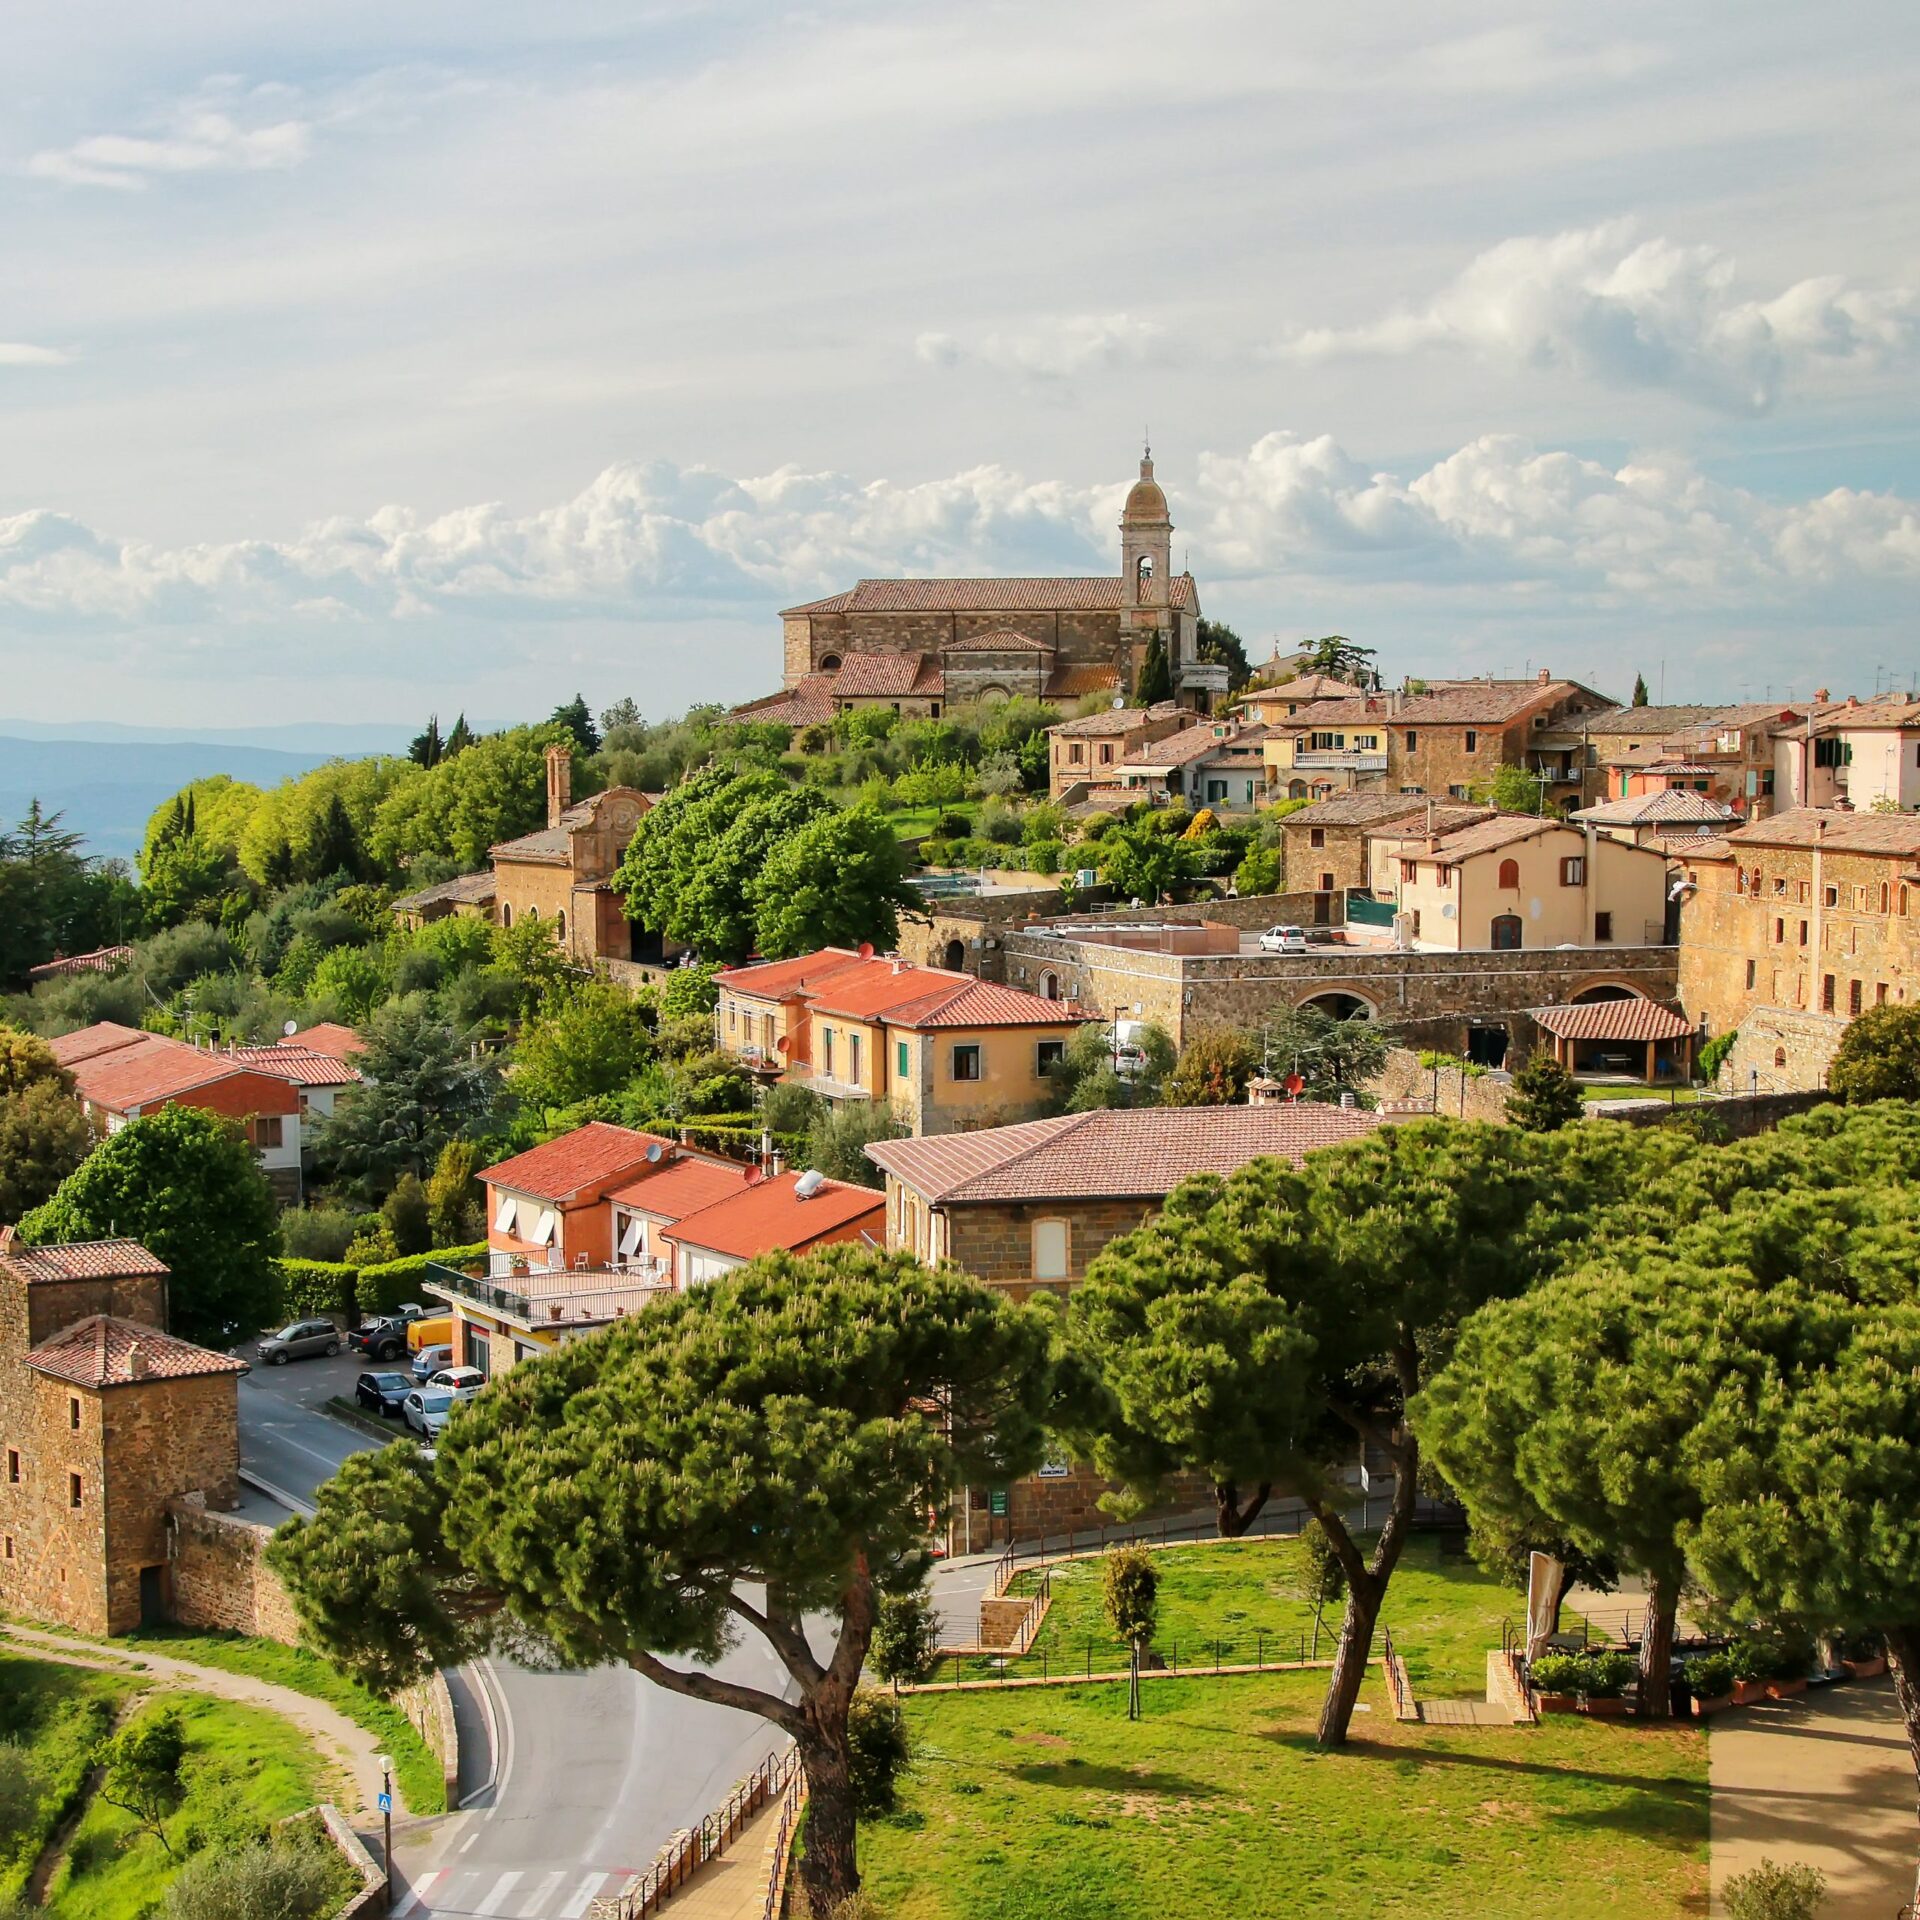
(386, 1803)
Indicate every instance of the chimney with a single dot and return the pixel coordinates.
(1853, 699)
(1432, 806)
(559, 783)
(1820, 694)
(136, 1362)
(1546, 678)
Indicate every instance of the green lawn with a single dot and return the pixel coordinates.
(422, 1784)
(244, 1768)
(57, 1714)
(1046, 1804)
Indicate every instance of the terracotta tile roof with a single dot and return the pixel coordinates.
(1895, 833)
(680, 1187)
(101, 960)
(807, 703)
(1650, 809)
(1363, 808)
(769, 1215)
(1700, 844)
(469, 889)
(980, 1003)
(897, 993)
(1308, 686)
(329, 1037)
(1634, 1019)
(1191, 743)
(1485, 703)
(1073, 681)
(1000, 640)
(1076, 594)
(104, 1351)
(1650, 723)
(590, 1156)
(1124, 1153)
(1677, 768)
(1362, 709)
(298, 1065)
(1115, 720)
(881, 675)
(1503, 830)
(781, 979)
(1902, 716)
(1449, 816)
(105, 1036)
(553, 846)
(154, 1069)
(77, 1260)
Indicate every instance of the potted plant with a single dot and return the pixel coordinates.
(1792, 1657)
(1864, 1656)
(1610, 1672)
(1750, 1662)
(1711, 1677)
(1557, 1679)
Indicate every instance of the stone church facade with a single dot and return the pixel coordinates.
(918, 645)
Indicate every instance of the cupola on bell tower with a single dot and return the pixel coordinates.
(1146, 541)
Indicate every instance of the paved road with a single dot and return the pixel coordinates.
(568, 1781)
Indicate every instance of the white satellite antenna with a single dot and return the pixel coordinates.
(291, 1028)
(808, 1184)
(654, 1152)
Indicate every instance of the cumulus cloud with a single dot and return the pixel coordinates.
(1054, 350)
(1641, 313)
(227, 127)
(655, 541)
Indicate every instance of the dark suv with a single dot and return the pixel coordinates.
(386, 1338)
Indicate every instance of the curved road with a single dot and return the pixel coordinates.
(569, 1781)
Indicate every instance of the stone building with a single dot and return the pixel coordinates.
(1796, 923)
(1027, 1208)
(1088, 752)
(1325, 844)
(1054, 638)
(104, 1420)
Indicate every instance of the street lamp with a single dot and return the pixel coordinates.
(384, 1761)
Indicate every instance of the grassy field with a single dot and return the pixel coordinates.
(244, 1768)
(422, 1784)
(1046, 1804)
(56, 1714)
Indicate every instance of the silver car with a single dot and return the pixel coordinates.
(300, 1340)
(427, 1410)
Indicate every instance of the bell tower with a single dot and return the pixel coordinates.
(1146, 543)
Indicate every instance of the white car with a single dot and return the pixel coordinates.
(428, 1410)
(1283, 940)
(464, 1383)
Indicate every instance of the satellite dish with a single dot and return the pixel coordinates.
(780, 1045)
(654, 1152)
(1294, 1086)
(1448, 911)
(291, 1028)
(755, 1175)
(866, 949)
(808, 1184)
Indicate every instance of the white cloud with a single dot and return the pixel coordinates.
(1641, 313)
(17, 353)
(224, 128)
(1054, 350)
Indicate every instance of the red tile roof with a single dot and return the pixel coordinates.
(301, 1066)
(1139, 1152)
(591, 1156)
(104, 1351)
(1643, 809)
(1484, 703)
(807, 703)
(1000, 640)
(76, 1260)
(1488, 836)
(153, 1069)
(1634, 1019)
(897, 993)
(1074, 680)
(328, 1037)
(876, 676)
(1078, 594)
(770, 1216)
(1118, 720)
(105, 1036)
(680, 1187)
(1895, 833)
(1194, 743)
(101, 960)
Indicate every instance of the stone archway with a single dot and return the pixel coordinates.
(954, 959)
(1340, 1005)
(1599, 991)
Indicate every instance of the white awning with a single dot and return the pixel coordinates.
(504, 1214)
(545, 1228)
(632, 1234)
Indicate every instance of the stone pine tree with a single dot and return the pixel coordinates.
(749, 1457)
(1545, 1095)
(1264, 1328)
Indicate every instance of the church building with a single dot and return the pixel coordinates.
(919, 645)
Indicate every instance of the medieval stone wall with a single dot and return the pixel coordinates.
(1781, 1050)
(220, 1575)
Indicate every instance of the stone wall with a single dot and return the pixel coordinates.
(995, 1243)
(1405, 1085)
(1737, 1117)
(1042, 1506)
(1781, 1050)
(220, 1575)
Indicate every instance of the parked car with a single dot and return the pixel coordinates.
(432, 1330)
(464, 1383)
(429, 1360)
(383, 1339)
(1283, 940)
(382, 1393)
(299, 1340)
(427, 1410)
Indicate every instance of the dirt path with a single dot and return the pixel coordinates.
(349, 1748)
(62, 1836)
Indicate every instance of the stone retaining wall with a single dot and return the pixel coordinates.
(220, 1575)
(1447, 1091)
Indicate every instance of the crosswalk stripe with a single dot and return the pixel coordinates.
(583, 1897)
(416, 1895)
(540, 1901)
(501, 1894)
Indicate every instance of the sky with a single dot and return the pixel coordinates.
(369, 360)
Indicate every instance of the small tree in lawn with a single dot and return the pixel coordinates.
(878, 1752)
(1322, 1578)
(906, 1637)
(1544, 1096)
(1879, 1056)
(786, 1429)
(1130, 1586)
(142, 1770)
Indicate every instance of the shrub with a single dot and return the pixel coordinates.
(317, 1233)
(953, 826)
(287, 1879)
(1322, 1578)
(406, 1216)
(1710, 1675)
(877, 1751)
(1603, 1674)
(1130, 1585)
(381, 1288)
(1714, 1054)
(999, 823)
(1044, 856)
(1770, 1892)
(317, 1286)
(906, 1637)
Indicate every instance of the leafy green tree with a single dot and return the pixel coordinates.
(1879, 1056)
(187, 879)
(1215, 1068)
(838, 1139)
(54, 899)
(460, 738)
(455, 1198)
(787, 1428)
(423, 1086)
(1260, 870)
(351, 981)
(44, 1136)
(279, 839)
(428, 748)
(1087, 1076)
(1218, 642)
(590, 1042)
(1263, 1327)
(185, 1184)
(1545, 1095)
(214, 810)
(1155, 681)
(407, 1218)
(27, 1061)
(577, 718)
(838, 881)
(1323, 1579)
(1332, 1056)
(1512, 789)
(19, 1798)
(906, 1636)
(1639, 689)
(491, 790)
(1129, 1591)
(878, 1752)
(528, 959)
(1142, 863)
(1714, 1054)
(142, 1770)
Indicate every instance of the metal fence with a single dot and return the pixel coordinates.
(688, 1852)
(1053, 1663)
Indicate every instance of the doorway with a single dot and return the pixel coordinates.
(153, 1596)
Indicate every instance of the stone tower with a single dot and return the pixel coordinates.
(1146, 574)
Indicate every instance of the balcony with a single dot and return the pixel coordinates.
(555, 1297)
(1202, 676)
(1338, 760)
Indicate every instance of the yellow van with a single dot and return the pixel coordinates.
(437, 1332)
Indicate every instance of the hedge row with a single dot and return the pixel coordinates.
(331, 1286)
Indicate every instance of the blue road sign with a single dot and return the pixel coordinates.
(386, 1803)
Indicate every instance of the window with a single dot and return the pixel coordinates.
(1472, 741)
(1603, 928)
(1409, 872)
(506, 916)
(1779, 932)
(1326, 883)
(1106, 753)
(1506, 932)
(76, 1493)
(1076, 753)
(1366, 743)
(966, 1061)
(853, 1058)
(1442, 876)
(1826, 993)
(479, 1349)
(1853, 996)
(826, 1051)
(1830, 895)
(266, 1130)
(1779, 885)
(1509, 873)
(1413, 739)
(13, 1465)
(1459, 792)
(1779, 1056)
(1316, 836)
(73, 1411)
(1880, 994)
(1803, 933)
(933, 710)
(1573, 870)
(902, 1061)
(1048, 1055)
(9, 1546)
(560, 926)
(1903, 900)
(1804, 891)
(1049, 1249)
(1886, 897)
(1752, 971)
(1049, 985)
(733, 1017)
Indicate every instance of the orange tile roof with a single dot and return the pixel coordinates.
(875, 676)
(1634, 1019)
(1139, 1152)
(681, 1187)
(1074, 680)
(1118, 720)
(1487, 836)
(588, 1157)
(299, 1065)
(807, 703)
(105, 1036)
(154, 1069)
(1842, 832)
(1077, 594)
(769, 1216)
(1000, 640)
(1194, 743)
(76, 1260)
(898, 994)
(104, 1351)
(328, 1037)
(1484, 703)
(781, 979)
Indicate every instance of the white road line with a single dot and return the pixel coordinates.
(501, 1894)
(469, 1840)
(416, 1895)
(503, 1754)
(327, 1460)
(540, 1901)
(576, 1908)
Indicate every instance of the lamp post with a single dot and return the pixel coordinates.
(384, 1761)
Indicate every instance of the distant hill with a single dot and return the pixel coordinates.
(323, 740)
(107, 787)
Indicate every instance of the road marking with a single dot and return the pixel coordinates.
(416, 1895)
(501, 1894)
(503, 1753)
(582, 1899)
(469, 1840)
(540, 1901)
(333, 1463)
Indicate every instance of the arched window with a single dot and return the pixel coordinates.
(1510, 873)
(506, 917)
(560, 925)
(1506, 931)
(533, 913)
(1779, 1056)
(1050, 985)
(829, 663)
(1143, 572)
(955, 957)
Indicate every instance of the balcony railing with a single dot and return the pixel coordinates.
(1331, 757)
(1210, 676)
(557, 1297)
